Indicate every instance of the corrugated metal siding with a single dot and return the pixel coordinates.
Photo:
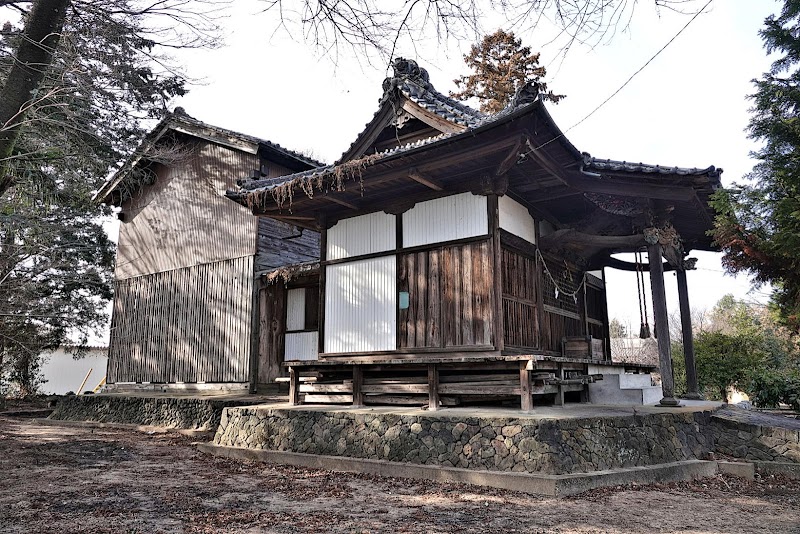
(301, 346)
(515, 218)
(445, 219)
(184, 325)
(361, 235)
(282, 244)
(184, 218)
(296, 309)
(361, 306)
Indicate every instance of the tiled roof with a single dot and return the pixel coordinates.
(590, 163)
(180, 116)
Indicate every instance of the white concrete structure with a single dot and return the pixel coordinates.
(62, 372)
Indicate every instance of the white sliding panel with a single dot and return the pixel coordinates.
(361, 305)
(445, 219)
(296, 309)
(301, 346)
(365, 234)
(514, 218)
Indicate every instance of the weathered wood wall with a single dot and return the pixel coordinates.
(271, 332)
(450, 297)
(520, 300)
(184, 219)
(184, 325)
(281, 244)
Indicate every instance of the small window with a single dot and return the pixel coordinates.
(302, 309)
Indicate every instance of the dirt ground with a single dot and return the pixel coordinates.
(99, 480)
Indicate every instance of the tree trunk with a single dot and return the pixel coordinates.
(32, 59)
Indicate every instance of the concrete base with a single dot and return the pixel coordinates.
(622, 389)
(551, 485)
(778, 468)
(745, 470)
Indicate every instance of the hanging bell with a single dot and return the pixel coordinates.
(644, 331)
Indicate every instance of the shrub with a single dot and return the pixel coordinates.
(769, 387)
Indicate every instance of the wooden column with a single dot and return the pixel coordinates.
(255, 322)
(294, 387)
(525, 386)
(688, 340)
(497, 270)
(560, 395)
(358, 382)
(433, 387)
(662, 325)
(323, 251)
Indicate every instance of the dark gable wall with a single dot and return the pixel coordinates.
(281, 244)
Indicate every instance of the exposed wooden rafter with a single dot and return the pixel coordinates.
(512, 157)
(567, 237)
(418, 177)
(342, 202)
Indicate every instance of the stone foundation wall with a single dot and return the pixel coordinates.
(502, 444)
(739, 435)
(185, 413)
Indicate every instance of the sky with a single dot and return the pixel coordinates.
(687, 107)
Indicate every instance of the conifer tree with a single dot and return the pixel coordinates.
(758, 223)
(500, 66)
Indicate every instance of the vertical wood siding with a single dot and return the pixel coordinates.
(445, 219)
(520, 305)
(301, 346)
(364, 234)
(450, 297)
(184, 219)
(184, 325)
(515, 218)
(296, 309)
(361, 305)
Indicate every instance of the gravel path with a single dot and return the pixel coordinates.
(103, 480)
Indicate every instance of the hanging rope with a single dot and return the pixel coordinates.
(644, 329)
(559, 290)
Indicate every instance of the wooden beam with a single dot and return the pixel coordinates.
(622, 265)
(574, 237)
(432, 119)
(512, 157)
(342, 202)
(415, 175)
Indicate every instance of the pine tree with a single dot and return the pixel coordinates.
(500, 66)
(758, 224)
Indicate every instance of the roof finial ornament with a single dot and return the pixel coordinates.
(525, 95)
(406, 69)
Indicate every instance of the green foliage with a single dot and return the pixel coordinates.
(725, 360)
(500, 66)
(758, 224)
(768, 388)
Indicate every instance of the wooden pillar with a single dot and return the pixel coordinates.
(560, 395)
(688, 340)
(497, 270)
(323, 251)
(661, 324)
(525, 386)
(255, 335)
(294, 386)
(433, 387)
(358, 382)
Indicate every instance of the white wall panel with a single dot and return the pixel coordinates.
(296, 309)
(364, 234)
(301, 346)
(445, 219)
(360, 305)
(515, 218)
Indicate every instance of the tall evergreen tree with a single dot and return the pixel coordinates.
(758, 224)
(500, 66)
